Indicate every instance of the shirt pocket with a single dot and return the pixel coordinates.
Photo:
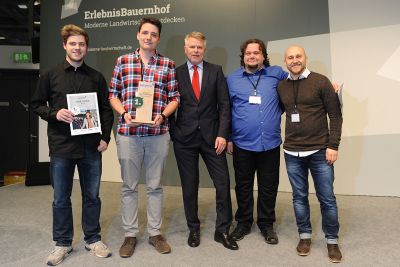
(160, 84)
(159, 77)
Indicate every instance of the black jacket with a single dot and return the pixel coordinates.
(211, 114)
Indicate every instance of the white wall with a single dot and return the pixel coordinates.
(362, 51)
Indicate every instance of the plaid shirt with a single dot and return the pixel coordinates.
(124, 84)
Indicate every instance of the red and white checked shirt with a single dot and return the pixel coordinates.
(124, 84)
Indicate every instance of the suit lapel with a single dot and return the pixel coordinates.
(204, 80)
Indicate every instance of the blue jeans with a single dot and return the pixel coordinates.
(61, 174)
(323, 176)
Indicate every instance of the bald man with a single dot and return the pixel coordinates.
(311, 144)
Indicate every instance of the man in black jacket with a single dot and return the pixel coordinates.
(67, 151)
(202, 128)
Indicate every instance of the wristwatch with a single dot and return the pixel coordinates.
(163, 116)
(123, 115)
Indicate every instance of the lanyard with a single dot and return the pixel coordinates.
(255, 85)
(295, 84)
(141, 69)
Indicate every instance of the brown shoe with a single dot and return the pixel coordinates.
(128, 247)
(159, 242)
(303, 248)
(334, 253)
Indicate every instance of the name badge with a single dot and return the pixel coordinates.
(295, 117)
(255, 99)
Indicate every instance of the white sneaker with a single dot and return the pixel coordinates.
(58, 255)
(99, 249)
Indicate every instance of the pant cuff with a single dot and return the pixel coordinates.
(63, 244)
(305, 236)
(331, 241)
(130, 235)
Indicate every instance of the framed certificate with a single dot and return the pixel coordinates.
(86, 110)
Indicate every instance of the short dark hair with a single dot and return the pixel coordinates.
(73, 30)
(155, 21)
(261, 46)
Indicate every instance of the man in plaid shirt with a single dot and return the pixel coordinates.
(143, 144)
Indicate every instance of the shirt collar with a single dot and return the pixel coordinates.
(190, 65)
(67, 65)
(247, 73)
(153, 58)
(304, 75)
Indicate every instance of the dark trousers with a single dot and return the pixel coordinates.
(61, 174)
(246, 163)
(187, 158)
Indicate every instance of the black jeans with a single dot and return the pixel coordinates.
(246, 163)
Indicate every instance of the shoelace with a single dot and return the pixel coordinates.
(100, 244)
(128, 241)
(158, 240)
(196, 234)
(59, 250)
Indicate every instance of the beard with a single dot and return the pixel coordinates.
(253, 67)
(300, 71)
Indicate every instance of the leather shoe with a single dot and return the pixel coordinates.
(270, 236)
(226, 240)
(194, 238)
(303, 248)
(240, 232)
(159, 242)
(334, 253)
(128, 247)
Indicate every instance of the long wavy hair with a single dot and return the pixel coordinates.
(262, 48)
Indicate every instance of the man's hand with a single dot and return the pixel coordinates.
(220, 145)
(336, 87)
(331, 156)
(102, 146)
(65, 115)
(229, 149)
(127, 118)
(158, 120)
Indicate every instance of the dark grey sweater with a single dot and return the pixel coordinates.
(315, 99)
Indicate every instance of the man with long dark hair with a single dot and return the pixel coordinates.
(256, 138)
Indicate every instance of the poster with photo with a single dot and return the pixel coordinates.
(86, 110)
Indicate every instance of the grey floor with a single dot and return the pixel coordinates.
(369, 234)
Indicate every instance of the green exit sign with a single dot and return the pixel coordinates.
(22, 57)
